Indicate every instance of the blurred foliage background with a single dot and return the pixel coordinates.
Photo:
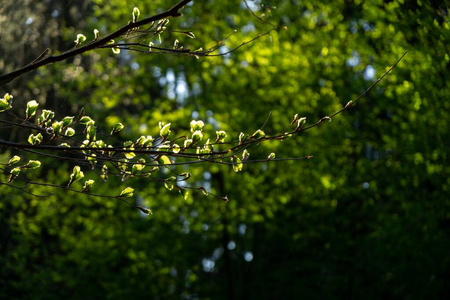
(368, 217)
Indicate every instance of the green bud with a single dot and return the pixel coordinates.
(104, 175)
(80, 38)
(139, 166)
(258, 134)
(197, 136)
(70, 131)
(175, 148)
(136, 14)
(76, 175)
(187, 143)
(67, 121)
(145, 210)
(197, 125)
(185, 175)
(300, 123)
(237, 164)
(190, 34)
(204, 191)
(8, 97)
(6, 102)
(184, 193)
(130, 155)
(271, 156)
(208, 148)
(35, 139)
(45, 116)
(164, 160)
(140, 141)
(32, 164)
(15, 171)
(13, 174)
(294, 120)
(127, 193)
(96, 32)
(168, 185)
(148, 141)
(15, 159)
(245, 155)
(241, 137)
(221, 135)
(57, 126)
(165, 131)
(87, 185)
(91, 132)
(31, 109)
(85, 120)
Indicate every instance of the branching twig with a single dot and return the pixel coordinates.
(37, 63)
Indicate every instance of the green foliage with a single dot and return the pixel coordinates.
(366, 218)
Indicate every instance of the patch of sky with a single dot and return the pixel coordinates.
(248, 256)
(242, 229)
(231, 245)
(369, 73)
(354, 60)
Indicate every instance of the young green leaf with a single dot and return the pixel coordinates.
(57, 126)
(116, 50)
(6, 102)
(139, 166)
(85, 120)
(146, 211)
(197, 136)
(245, 155)
(164, 160)
(70, 131)
(15, 159)
(190, 34)
(35, 139)
(136, 14)
(45, 117)
(197, 125)
(176, 148)
(104, 175)
(32, 164)
(165, 131)
(187, 143)
(76, 175)
(237, 164)
(91, 132)
(294, 120)
(31, 109)
(184, 193)
(80, 38)
(13, 174)
(258, 134)
(96, 32)
(300, 123)
(87, 185)
(67, 121)
(221, 135)
(271, 156)
(127, 193)
(168, 185)
(204, 191)
(241, 137)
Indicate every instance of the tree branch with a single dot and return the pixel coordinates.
(172, 12)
